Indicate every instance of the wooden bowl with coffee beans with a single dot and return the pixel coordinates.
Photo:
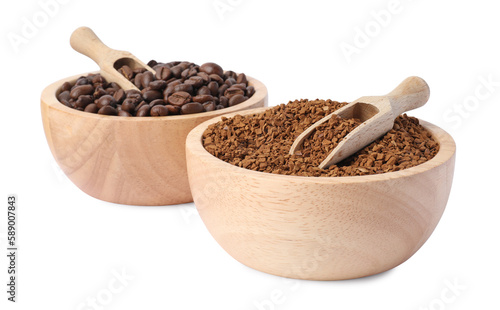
(281, 214)
(127, 146)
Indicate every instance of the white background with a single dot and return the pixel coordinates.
(72, 246)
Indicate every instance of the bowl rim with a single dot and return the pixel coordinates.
(49, 99)
(447, 150)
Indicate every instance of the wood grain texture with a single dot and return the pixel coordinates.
(126, 160)
(319, 228)
(377, 114)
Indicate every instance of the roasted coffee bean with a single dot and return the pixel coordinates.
(98, 79)
(243, 87)
(250, 91)
(173, 110)
(126, 71)
(133, 100)
(163, 73)
(128, 106)
(231, 74)
(236, 99)
(241, 78)
(107, 110)
(209, 106)
(91, 108)
(230, 81)
(83, 101)
(213, 87)
(66, 86)
(216, 78)
(80, 90)
(191, 108)
(174, 82)
(119, 95)
(168, 92)
(124, 113)
(204, 76)
(99, 92)
(158, 85)
(203, 91)
(233, 91)
(184, 65)
(173, 79)
(82, 81)
(139, 70)
(64, 96)
(146, 78)
(143, 111)
(151, 95)
(68, 104)
(152, 63)
(203, 98)
(159, 110)
(156, 102)
(139, 106)
(185, 74)
(114, 85)
(223, 101)
(176, 71)
(211, 68)
(222, 89)
(196, 81)
(110, 91)
(105, 100)
(193, 72)
(179, 98)
(138, 80)
(219, 107)
(185, 88)
(132, 93)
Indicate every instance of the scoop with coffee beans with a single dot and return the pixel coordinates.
(176, 88)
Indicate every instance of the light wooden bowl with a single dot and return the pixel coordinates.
(126, 160)
(319, 228)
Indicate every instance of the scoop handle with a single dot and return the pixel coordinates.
(86, 42)
(412, 93)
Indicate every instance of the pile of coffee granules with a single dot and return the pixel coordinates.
(175, 88)
(261, 142)
(326, 137)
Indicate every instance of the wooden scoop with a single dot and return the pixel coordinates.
(377, 114)
(86, 42)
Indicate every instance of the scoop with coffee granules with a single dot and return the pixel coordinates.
(261, 142)
(326, 137)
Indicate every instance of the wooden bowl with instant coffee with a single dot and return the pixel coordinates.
(319, 228)
(126, 160)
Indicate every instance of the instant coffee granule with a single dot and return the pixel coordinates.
(326, 137)
(261, 142)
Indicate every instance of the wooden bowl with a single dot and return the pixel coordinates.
(319, 228)
(126, 160)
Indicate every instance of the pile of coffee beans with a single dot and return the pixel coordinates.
(261, 142)
(175, 88)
